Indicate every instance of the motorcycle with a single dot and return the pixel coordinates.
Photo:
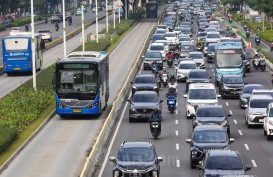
(271, 46)
(256, 63)
(262, 64)
(154, 68)
(230, 20)
(176, 54)
(164, 78)
(171, 102)
(155, 128)
(46, 21)
(200, 47)
(170, 62)
(258, 28)
(247, 33)
(57, 28)
(257, 41)
(245, 27)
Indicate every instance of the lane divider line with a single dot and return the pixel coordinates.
(235, 121)
(230, 112)
(177, 163)
(246, 146)
(240, 132)
(176, 122)
(176, 132)
(227, 104)
(254, 163)
(177, 146)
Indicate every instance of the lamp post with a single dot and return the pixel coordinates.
(64, 29)
(106, 11)
(97, 22)
(83, 44)
(33, 41)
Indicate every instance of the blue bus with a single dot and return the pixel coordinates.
(17, 53)
(151, 10)
(228, 60)
(82, 83)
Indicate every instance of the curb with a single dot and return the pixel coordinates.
(14, 155)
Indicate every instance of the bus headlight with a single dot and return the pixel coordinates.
(94, 105)
(59, 105)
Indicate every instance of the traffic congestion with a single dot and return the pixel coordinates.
(206, 104)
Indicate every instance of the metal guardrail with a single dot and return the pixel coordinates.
(100, 146)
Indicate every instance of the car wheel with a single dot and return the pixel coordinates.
(50, 40)
(268, 137)
(130, 119)
(192, 164)
(265, 132)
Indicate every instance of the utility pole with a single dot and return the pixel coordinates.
(33, 42)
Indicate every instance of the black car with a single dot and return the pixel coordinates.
(145, 82)
(211, 52)
(247, 90)
(231, 86)
(207, 137)
(136, 158)
(246, 60)
(150, 57)
(197, 76)
(212, 114)
(219, 162)
(143, 103)
(56, 18)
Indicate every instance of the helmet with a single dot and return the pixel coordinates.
(171, 75)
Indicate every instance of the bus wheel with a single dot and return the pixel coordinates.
(9, 74)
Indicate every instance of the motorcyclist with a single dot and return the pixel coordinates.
(172, 78)
(164, 71)
(46, 20)
(245, 27)
(170, 55)
(257, 36)
(271, 45)
(70, 20)
(258, 27)
(171, 92)
(26, 27)
(247, 33)
(155, 116)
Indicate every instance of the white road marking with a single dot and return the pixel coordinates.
(254, 163)
(230, 112)
(177, 147)
(112, 141)
(176, 132)
(213, 74)
(227, 104)
(177, 163)
(235, 121)
(176, 122)
(176, 111)
(212, 70)
(246, 146)
(240, 132)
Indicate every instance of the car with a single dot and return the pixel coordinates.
(164, 42)
(231, 86)
(46, 35)
(159, 47)
(145, 82)
(200, 94)
(138, 158)
(203, 26)
(213, 36)
(160, 31)
(171, 37)
(56, 18)
(212, 114)
(157, 36)
(198, 57)
(207, 137)
(256, 109)
(185, 48)
(216, 23)
(222, 32)
(268, 122)
(185, 38)
(15, 30)
(186, 31)
(150, 57)
(223, 162)
(207, 43)
(211, 49)
(247, 90)
(78, 11)
(197, 76)
(142, 105)
(183, 69)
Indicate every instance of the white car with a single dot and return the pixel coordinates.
(213, 36)
(46, 35)
(171, 37)
(268, 122)
(164, 42)
(198, 57)
(183, 69)
(15, 30)
(159, 47)
(200, 94)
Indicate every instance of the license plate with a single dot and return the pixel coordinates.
(17, 68)
(261, 120)
(77, 110)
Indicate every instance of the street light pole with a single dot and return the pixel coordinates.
(119, 9)
(97, 22)
(106, 9)
(83, 44)
(33, 41)
(64, 29)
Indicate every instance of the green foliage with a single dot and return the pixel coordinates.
(267, 35)
(7, 136)
(94, 46)
(237, 17)
(138, 15)
(23, 21)
(2, 27)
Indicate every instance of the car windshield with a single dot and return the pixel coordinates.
(185, 39)
(187, 66)
(210, 112)
(233, 80)
(186, 30)
(260, 103)
(158, 37)
(151, 98)
(160, 31)
(224, 163)
(250, 89)
(198, 75)
(170, 35)
(213, 36)
(210, 137)
(202, 94)
(263, 93)
(145, 80)
(196, 55)
(202, 34)
(178, 29)
(153, 55)
(43, 31)
(187, 48)
(157, 47)
(211, 48)
(134, 154)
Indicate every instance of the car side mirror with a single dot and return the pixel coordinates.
(248, 167)
(188, 141)
(112, 159)
(229, 114)
(160, 159)
(199, 167)
(231, 140)
(185, 96)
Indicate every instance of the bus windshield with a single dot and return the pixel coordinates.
(15, 44)
(77, 81)
(229, 58)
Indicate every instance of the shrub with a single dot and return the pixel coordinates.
(2, 27)
(267, 35)
(138, 15)
(7, 136)
(94, 46)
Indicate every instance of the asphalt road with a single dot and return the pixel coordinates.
(60, 149)
(76, 22)
(251, 143)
